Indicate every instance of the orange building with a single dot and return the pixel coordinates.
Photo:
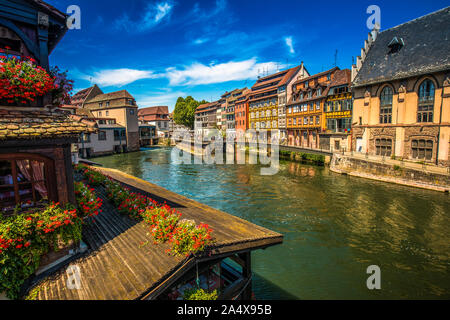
(305, 117)
(241, 111)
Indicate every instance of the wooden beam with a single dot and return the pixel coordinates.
(161, 287)
(238, 260)
(247, 273)
(26, 40)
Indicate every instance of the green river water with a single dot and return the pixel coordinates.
(334, 226)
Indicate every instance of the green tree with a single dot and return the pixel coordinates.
(184, 112)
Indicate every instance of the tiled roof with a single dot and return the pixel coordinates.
(68, 106)
(37, 124)
(84, 112)
(289, 74)
(341, 77)
(152, 117)
(110, 126)
(270, 82)
(317, 75)
(79, 98)
(82, 93)
(426, 47)
(153, 110)
(110, 96)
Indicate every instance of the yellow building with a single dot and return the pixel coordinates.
(263, 100)
(402, 92)
(338, 113)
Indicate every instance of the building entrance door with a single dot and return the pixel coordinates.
(359, 144)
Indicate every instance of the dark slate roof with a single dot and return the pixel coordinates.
(120, 267)
(426, 49)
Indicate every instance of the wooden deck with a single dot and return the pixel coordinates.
(120, 266)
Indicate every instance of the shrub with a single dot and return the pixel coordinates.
(116, 192)
(188, 238)
(163, 221)
(134, 204)
(185, 237)
(200, 294)
(88, 203)
(93, 177)
(80, 167)
(25, 237)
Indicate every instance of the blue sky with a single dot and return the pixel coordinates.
(159, 50)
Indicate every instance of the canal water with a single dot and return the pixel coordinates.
(334, 226)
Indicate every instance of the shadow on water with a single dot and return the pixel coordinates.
(261, 284)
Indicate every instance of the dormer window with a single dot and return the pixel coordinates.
(395, 45)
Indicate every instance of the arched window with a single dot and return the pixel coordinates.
(426, 102)
(25, 179)
(386, 105)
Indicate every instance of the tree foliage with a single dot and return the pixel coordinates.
(184, 113)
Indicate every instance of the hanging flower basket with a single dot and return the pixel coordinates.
(22, 82)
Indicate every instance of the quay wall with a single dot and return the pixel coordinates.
(390, 173)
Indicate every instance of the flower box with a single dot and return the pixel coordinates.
(57, 257)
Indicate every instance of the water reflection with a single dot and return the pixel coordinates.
(334, 226)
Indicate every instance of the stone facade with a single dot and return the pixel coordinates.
(133, 141)
(404, 127)
(401, 90)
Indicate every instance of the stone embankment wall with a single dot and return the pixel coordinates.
(390, 173)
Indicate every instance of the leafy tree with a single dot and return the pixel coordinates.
(184, 112)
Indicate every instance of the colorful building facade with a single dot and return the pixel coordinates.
(241, 111)
(284, 95)
(264, 97)
(338, 113)
(305, 116)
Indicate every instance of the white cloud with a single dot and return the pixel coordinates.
(289, 43)
(200, 40)
(198, 73)
(159, 99)
(118, 77)
(154, 14)
(162, 10)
